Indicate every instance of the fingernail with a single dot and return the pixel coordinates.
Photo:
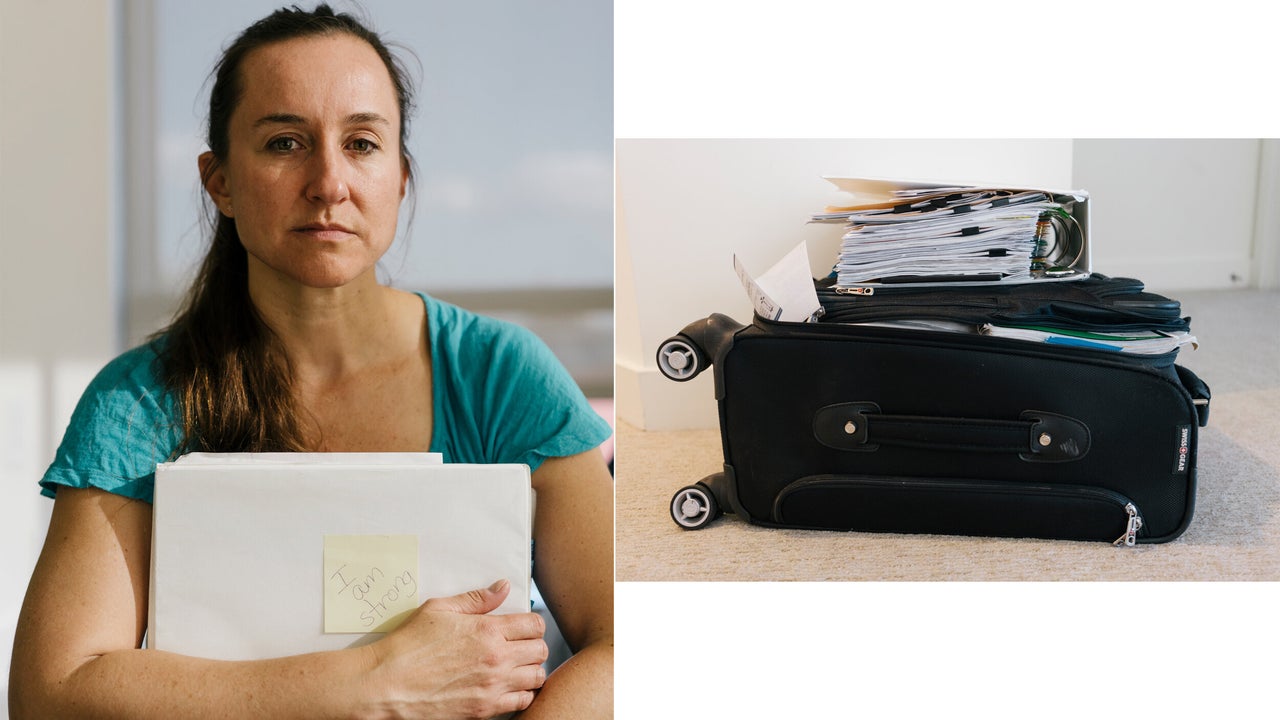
(498, 586)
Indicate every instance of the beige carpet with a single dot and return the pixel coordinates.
(1235, 534)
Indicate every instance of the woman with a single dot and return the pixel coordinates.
(288, 342)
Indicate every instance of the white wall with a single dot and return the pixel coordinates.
(685, 207)
(58, 319)
(1266, 229)
(1178, 214)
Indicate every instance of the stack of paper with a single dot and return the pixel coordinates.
(1138, 342)
(940, 234)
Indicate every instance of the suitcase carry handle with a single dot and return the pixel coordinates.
(1036, 436)
(1199, 392)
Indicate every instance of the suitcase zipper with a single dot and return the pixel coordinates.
(1130, 536)
(840, 327)
(1132, 525)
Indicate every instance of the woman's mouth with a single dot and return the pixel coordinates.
(325, 231)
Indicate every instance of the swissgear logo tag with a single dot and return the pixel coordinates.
(1184, 449)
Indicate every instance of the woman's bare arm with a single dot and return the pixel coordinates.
(76, 656)
(573, 567)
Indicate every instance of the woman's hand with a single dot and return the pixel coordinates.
(451, 660)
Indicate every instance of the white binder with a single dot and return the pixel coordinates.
(881, 192)
(239, 544)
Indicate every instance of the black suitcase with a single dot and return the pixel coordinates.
(854, 427)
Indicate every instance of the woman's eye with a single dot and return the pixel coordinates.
(363, 146)
(283, 144)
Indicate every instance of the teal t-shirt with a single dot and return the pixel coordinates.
(500, 396)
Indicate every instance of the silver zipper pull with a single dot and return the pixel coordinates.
(855, 291)
(1130, 536)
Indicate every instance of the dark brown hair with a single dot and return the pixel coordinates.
(225, 367)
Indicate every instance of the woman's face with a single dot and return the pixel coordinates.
(313, 176)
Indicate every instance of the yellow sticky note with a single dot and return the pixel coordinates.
(370, 582)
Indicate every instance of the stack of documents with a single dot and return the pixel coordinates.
(941, 234)
(1138, 342)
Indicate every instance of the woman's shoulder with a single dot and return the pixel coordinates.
(478, 350)
(458, 328)
(122, 426)
(135, 370)
(128, 388)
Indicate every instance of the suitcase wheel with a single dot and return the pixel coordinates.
(679, 359)
(694, 506)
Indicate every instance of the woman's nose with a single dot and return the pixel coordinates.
(327, 181)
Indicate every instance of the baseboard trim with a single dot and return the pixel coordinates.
(647, 400)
